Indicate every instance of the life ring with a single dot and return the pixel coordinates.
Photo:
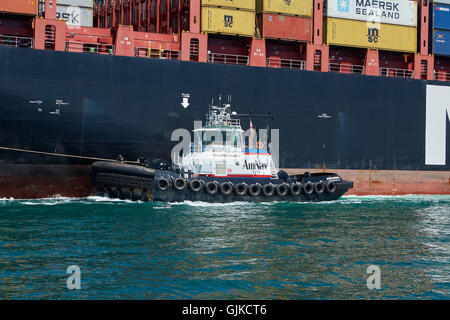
(319, 187)
(162, 184)
(308, 187)
(259, 145)
(241, 189)
(282, 189)
(179, 184)
(196, 185)
(295, 189)
(331, 187)
(212, 187)
(268, 189)
(254, 189)
(226, 188)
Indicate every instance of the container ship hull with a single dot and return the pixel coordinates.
(374, 132)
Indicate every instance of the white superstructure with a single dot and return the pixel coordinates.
(219, 149)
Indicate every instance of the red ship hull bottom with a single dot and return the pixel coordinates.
(44, 181)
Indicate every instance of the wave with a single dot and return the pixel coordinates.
(350, 199)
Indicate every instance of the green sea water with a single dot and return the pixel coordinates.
(128, 250)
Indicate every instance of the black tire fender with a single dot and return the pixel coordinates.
(226, 188)
(308, 187)
(196, 185)
(282, 189)
(162, 184)
(212, 187)
(295, 189)
(268, 190)
(254, 189)
(319, 187)
(179, 183)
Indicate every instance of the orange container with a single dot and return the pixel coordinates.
(277, 26)
(27, 7)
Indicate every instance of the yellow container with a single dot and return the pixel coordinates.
(239, 4)
(293, 7)
(354, 33)
(228, 21)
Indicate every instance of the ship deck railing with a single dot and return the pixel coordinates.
(99, 48)
(153, 53)
(346, 68)
(226, 58)
(286, 63)
(18, 42)
(396, 73)
(441, 75)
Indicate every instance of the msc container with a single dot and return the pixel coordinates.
(75, 16)
(238, 4)
(77, 3)
(27, 7)
(441, 16)
(363, 34)
(441, 42)
(228, 21)
(400, 12)
(277, 26)
(293, 7)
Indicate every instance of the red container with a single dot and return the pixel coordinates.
(26, 7)
(277, 26)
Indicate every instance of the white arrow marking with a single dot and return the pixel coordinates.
(185, 103)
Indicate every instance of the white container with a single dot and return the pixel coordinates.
(441, 1)
(76, 3)
(75, 16)
(399, 12)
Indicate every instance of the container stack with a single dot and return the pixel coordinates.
(24, 7)
(441, 27)
(285, 19)
(386, 25)
(232, 17)
(76, 12)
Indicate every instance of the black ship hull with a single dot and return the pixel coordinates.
(131, 106)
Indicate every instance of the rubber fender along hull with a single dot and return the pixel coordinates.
(134, 182)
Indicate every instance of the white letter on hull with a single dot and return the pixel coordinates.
(438, 109)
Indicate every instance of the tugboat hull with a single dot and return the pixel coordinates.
(139, 183)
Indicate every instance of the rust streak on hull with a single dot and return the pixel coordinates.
(42, 181)
(392, 182)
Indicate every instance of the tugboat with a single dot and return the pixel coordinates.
(219, 167)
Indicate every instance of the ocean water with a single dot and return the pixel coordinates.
(280, 250)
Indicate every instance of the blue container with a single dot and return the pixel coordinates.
(441, 42)
(441, 16)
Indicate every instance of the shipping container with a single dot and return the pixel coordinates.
(400, 12)
(441, 16)
(441, 42)
(75, 16)
(228, 21)
(293, 7)
(239, 4)
(277, 26)
(27, 7)
(76, 3)
(441, 1)
(363, 34)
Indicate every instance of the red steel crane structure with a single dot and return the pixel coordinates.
(160, 16)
